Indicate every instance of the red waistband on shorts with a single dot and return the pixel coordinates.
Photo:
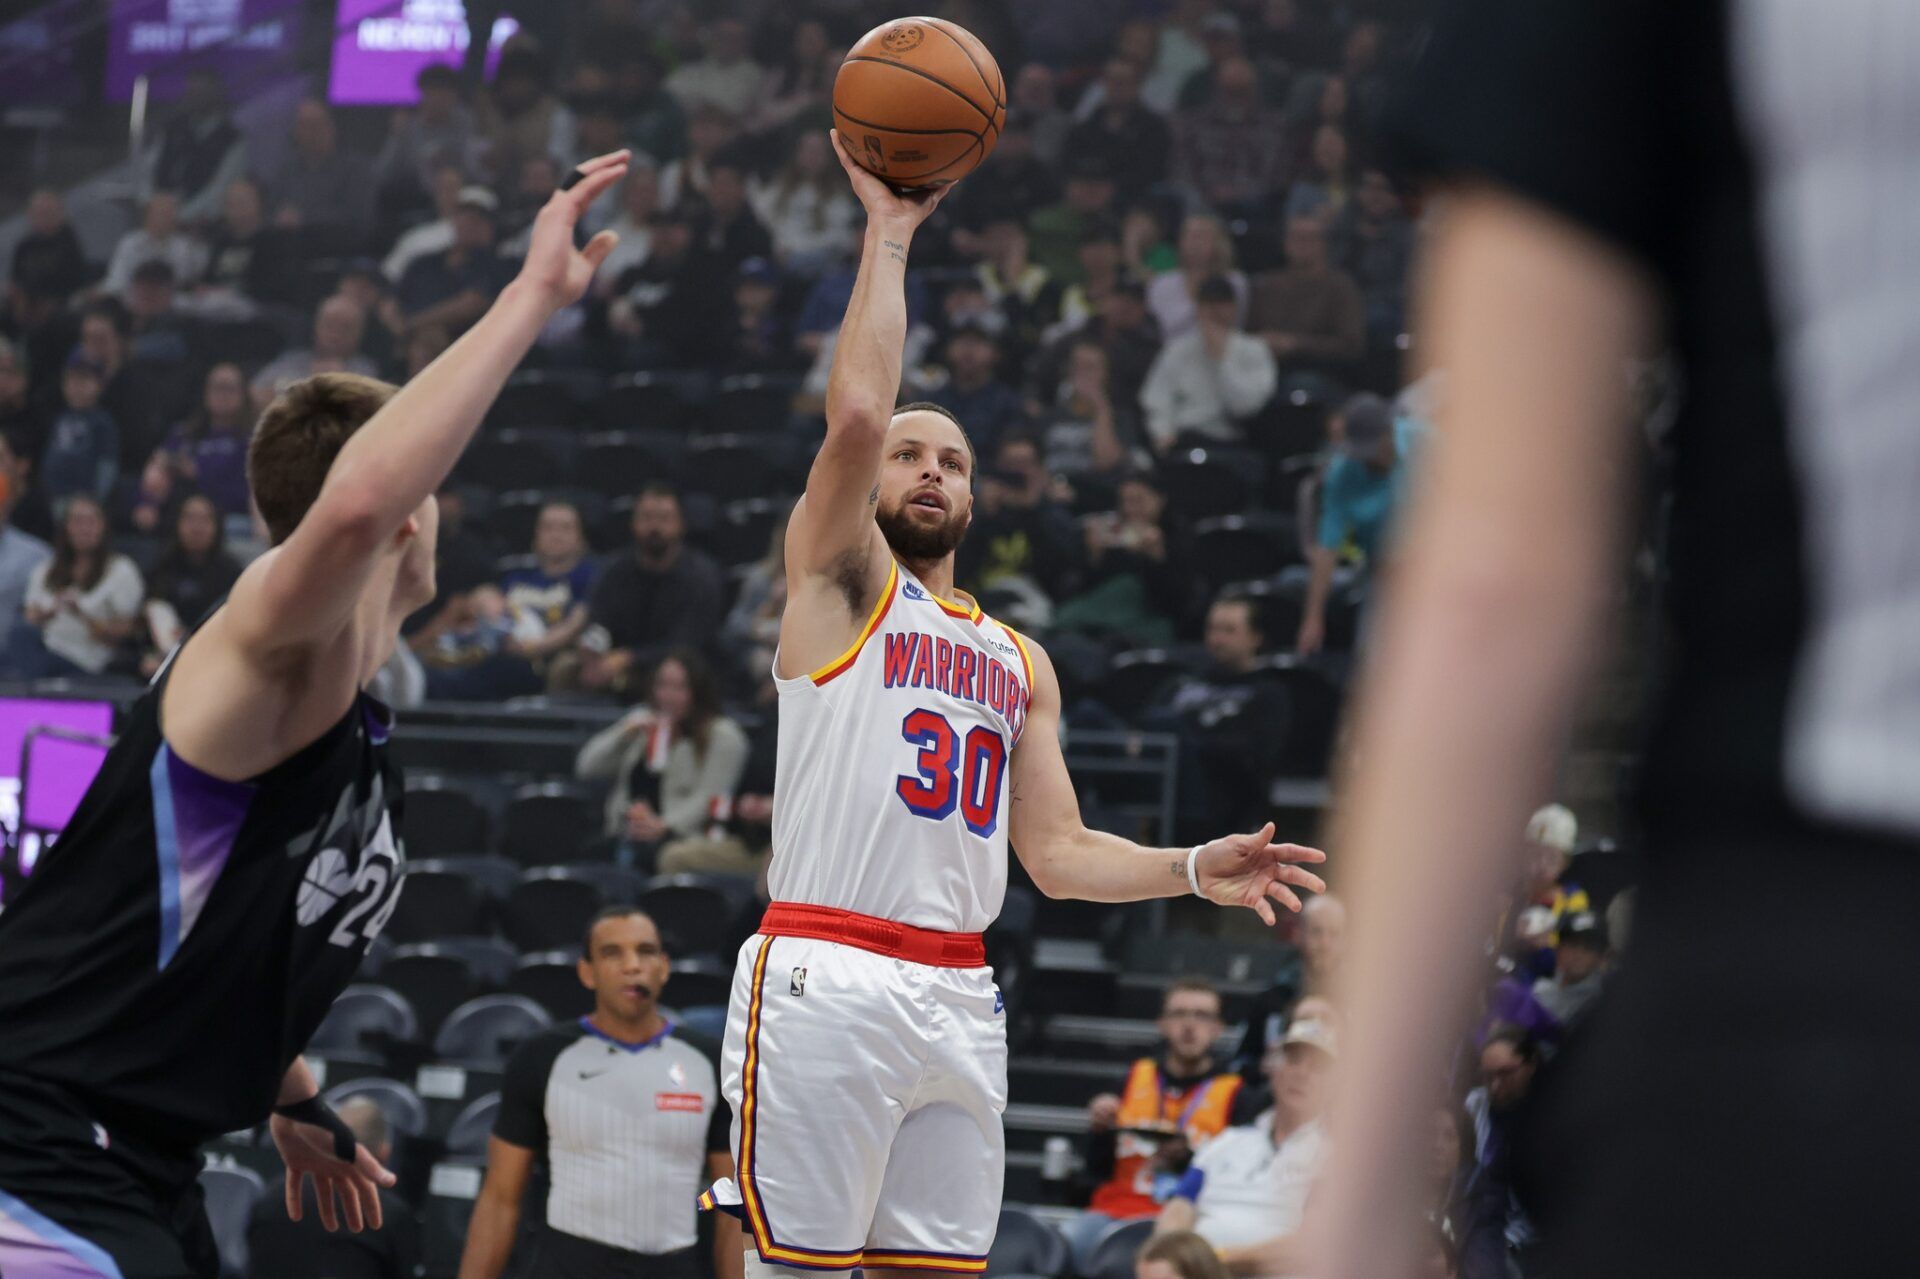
(881, 936)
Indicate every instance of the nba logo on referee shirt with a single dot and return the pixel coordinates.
(799, 986)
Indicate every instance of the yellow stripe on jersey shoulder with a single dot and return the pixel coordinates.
(1026, 658)
(840, 664)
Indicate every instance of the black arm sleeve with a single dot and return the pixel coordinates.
(523, 1092)
(1569, 104)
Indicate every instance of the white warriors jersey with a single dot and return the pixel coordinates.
(891, 784)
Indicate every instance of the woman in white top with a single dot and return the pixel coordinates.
(81, 604)
(806, 207)
(1205, 251)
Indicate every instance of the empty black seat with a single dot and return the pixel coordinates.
(751, 402)
(231, 1195)
(491, 959)
(365, 1017)
(745, 529)
(436, 903)
(452, 1187)
(470, 1130)
(619, 463)
(733, 467)
(544, 823)
(536, 397)
(442, 818)
(710, 1019)
(1135, 677)
(1113, 1256)
(551, 979)
(516, 459)
(406, 1113)
(493, 876)
(1024, 1244)
(487, 1029)
(550, 909)
(1239, 548)
(1312, 717)
(700, 979)
(434, 981)
(1202, 482)
(698, 914)
(645, 401)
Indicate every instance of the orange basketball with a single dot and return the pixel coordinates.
(919, 102)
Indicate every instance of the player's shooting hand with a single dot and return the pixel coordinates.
(558, 270)
(882, 202)
(1252, 871)
(307, 1150)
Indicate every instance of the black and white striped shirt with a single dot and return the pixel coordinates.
(624, 1129)
(1762, 158)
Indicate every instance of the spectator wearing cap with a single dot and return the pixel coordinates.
(48, 263)
(159, 237)
(452, 289)
(1022, 290)
(323, 190)
(1205, 383)
(667, 312)
(1230, 152)
(807, 208)
(762, 339)
(1361, 492)
(1022, 546)
(1310, 312)
(82, 455)
(633, 222)
(1056, 232)
(159, 331)
(1124, 134)
(1139, 579)
(439, 131)
(974, 393)
(305, 1249)
(1246, 1191)
(338, 326)
(445, 182)
(519, 116)
(731, 232)
(1546, 897)
(201, 153)
(1203, 252)
(1036, 99)
(248, 262)
(1579, 967)
(726, 77)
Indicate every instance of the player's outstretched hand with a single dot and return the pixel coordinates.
(558, 270)
(882, 202)
(307, 1150)
(1252, 871)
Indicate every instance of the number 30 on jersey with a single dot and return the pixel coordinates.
(954, 772)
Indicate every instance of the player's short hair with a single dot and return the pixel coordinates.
(619, 910)
(299, 436)
(928, 406)
(1190, 984)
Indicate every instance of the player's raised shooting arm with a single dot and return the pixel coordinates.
(1066, 859)
(835, 518)
(306, 589)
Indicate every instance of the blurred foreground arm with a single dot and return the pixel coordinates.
(1486, 633)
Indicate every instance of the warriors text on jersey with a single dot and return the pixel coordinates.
(173, 952)
(892, 771)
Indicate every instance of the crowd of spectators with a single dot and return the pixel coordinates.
(1149, 307)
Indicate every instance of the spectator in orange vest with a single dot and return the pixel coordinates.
(1169, 1105)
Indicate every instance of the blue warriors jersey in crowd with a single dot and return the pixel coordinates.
(171, 955)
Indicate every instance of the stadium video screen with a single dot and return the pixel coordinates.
(58, 769)
(245, 41)
(379, 47)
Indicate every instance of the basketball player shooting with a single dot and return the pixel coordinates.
(866, 1053)
(218, 886)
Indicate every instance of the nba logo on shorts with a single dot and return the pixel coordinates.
(799, 986)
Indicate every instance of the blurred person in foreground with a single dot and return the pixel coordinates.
(305, 1249)
(1178, 1254)
(1715, 178)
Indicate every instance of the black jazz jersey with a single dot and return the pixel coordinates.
(172, 953)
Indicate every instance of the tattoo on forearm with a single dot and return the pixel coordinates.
(873, 496)
(898, 250)
(1179, 867)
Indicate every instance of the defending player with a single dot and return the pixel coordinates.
(865, 1054)
(167, 962)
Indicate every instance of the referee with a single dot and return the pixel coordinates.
(1732, 181)
(624, 1109)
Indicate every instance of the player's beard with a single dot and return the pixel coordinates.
(918, 543)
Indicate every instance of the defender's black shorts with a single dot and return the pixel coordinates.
(79, 1200)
